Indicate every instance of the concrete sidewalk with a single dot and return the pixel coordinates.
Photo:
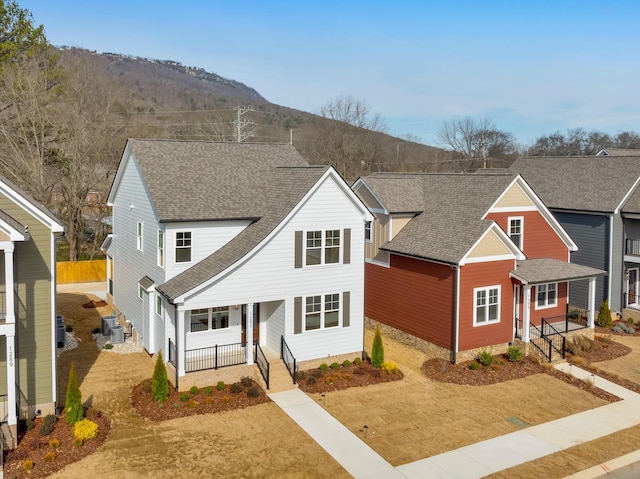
(473, 461)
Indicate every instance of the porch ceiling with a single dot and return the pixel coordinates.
(548, 270)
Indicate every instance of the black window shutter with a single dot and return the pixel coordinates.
(346, 308)
(297, 315)
(298, 250)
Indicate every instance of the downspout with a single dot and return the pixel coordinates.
(175, 320)
(456, 318)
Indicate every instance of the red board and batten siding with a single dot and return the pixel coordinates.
(540, 240)
(414, 296)
(479, 275)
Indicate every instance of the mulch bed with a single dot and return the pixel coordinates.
(32, 446)
(504, 370)
(344, 377)
(206, 401)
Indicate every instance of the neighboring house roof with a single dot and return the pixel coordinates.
(548, 270)
(618, 152)
(15, 224)
(282, 189)
(32, 206)
(146, 282)
(197, 180)
(450, 206)
(581, 183)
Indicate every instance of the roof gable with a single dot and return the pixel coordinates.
(491, 245)
(35, 209)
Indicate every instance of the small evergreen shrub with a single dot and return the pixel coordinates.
(335, 366)
(357, 361)
(50, 456)
(474, 366)
(390, 367)
(29, 424)
(236, 388)
(194, 390)
(630, 320)
(485, 357)
(253, 392)
(311, 380)
(159, 382)
(85, 429)
(317, 373)
(377, 349)
(184, 397)
(107, 346)
(346, 363)
(208, 390)
(73, 404)
(246, 381)
(47, 426)
(175, 405)
(323, 367)
(574, 313)
(514, 353)
(27, 465)
(220, 386)
(604, 315)
(54, 444)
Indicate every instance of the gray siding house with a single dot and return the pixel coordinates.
(595, 199)
(28, 384)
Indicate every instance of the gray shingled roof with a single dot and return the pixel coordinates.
(198, 180)
(622, 151)
(33, 202)
(282, 189)
(584, 183)
(452, 207)
(547, 270)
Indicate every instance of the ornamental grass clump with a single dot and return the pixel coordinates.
(73, 404)
(85, 430)
(377, 349)
(50, 456)
(159, 382)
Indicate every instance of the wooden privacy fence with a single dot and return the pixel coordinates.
(81, 271)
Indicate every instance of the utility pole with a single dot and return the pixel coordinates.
(243, 128)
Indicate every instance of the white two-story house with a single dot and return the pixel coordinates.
(221, 251)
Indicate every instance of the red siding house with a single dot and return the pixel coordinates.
(457, 263)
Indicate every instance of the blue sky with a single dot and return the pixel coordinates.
(531, 67)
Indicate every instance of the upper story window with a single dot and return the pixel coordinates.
(139, 236)
(546, 295)
(487, 305)
(209, 318)
(323, 247)
(515, 230)
(183, 246)
(367, 232)
(161, 248)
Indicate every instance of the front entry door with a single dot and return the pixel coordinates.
(516, 310)
(632, 287)
(256, 322)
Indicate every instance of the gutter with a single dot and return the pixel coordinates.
(456, 316)
(175, 317)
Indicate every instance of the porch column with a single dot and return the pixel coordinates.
(10, 338)
(249, 333)
(180, 343)
(592, 303)
(526, 317)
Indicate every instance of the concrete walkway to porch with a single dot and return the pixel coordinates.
(473, 461)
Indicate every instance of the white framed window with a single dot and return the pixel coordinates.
(322, 247)
(161, 248)
(546, 295)
(367, 231)
(516, 225)
(158, 305)
(139, 235)
(487, 305)
(207, 319)
(322, 311)
(183, 246)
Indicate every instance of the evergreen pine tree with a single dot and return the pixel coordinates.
(377, 349)
(159, 383)
(73, 404)
(604, 316)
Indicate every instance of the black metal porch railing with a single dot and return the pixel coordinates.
(172, 353)
(547, 338)
(287, 357)
(262, 363)
(214, 357)
(632, 247)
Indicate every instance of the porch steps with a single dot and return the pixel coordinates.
(279, 377)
